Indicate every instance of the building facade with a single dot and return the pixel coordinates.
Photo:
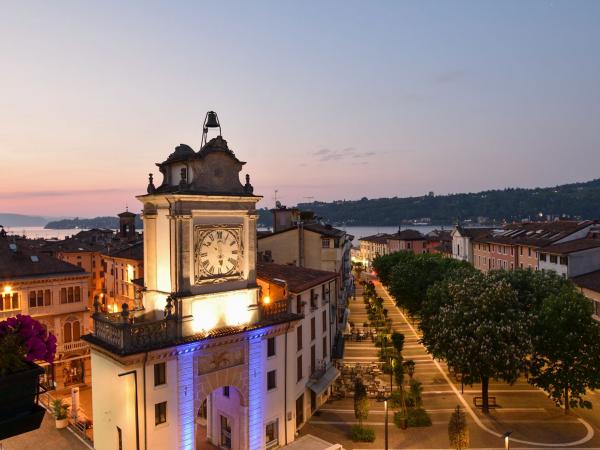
(54, 293)
(205, 360)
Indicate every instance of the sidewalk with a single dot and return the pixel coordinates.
(46, 437)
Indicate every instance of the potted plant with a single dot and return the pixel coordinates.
(60, 411)
(23, 340)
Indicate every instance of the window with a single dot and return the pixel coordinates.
(313, 329)
(270, 347)
(564, 261)
(298, 304)
(529, 251)
(324, 346)
(67, 333)
(70, 295)
(299, 368)
(313, 299)
(271, 438)
(299, 338)
(271, 380)
(542, 257)
(324, 320)
(553, 259)
(47, 297)
(313, 360)
(225, 391)
(32, 302)
(9, 302)
(77, 294)
(76, 327)
(325, 243)
(160, 374)
(160, 413)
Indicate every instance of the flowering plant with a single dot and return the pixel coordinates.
(22, 339)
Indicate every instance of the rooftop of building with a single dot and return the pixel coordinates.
(574, 246)
(589, 281)
(18, 260)
(134, 251)
(407, 235)
(298, 279)
(380, 238)
(316, 227)
(473, 232)
(538, 234)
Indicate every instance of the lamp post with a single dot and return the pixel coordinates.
(507, 440)
(385, 404)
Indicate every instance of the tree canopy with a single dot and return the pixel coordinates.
(566, 349)
(480, 332)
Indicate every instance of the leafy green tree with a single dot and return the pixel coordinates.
(410, 279)
(399, 371)
(458, 433)
(532, 287)
(415, 391)
(361, 402)
(384, 264)
(566, 349)
(480, 332)
(398, 342)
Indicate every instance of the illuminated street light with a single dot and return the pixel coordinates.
(507, 440)
(386, 423)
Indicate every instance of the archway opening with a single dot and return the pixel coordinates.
(219, 420)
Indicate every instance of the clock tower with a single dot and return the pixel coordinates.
(190, 365)
(200, 238)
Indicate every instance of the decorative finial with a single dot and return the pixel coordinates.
(169, 306)
(151, 187)
(125, 312)
(248, 189)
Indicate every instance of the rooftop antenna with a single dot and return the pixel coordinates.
(210, 121)
(275, 195)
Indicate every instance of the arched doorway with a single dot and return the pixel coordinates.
(220, 420)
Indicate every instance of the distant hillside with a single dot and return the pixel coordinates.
(572, 200)
(21, 220)
(110, 222)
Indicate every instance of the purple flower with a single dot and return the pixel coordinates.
(38, 343)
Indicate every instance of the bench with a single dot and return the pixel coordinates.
(478, 402)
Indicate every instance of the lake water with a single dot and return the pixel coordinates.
(41, 232)
(357, 232)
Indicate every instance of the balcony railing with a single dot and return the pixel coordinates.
(71, 346)
(275, 310)
(130, 332)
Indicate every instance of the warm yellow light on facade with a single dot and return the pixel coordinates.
(7, 289)
(220, 310)
(130, 274)
(266, 299)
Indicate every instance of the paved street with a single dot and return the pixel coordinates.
(47, 437)
(526, 411)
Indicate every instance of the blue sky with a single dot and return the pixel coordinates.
(329, 100)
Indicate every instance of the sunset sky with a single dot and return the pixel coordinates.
(331, 100)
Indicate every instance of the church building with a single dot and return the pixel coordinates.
(210, 357)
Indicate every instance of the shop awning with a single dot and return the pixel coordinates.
(318, 386)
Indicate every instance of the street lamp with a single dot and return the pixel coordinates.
(506, 440)
(386, 423)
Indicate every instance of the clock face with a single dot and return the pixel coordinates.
(217, 253)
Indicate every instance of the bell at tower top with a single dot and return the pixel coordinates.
(212, 170)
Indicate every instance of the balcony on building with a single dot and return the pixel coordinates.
(133, 331)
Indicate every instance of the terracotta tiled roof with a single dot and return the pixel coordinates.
(130, 251)
(377, 238)
(72, 245)
(18, 260)
(474, 232)
(298, 279)
(407, 235)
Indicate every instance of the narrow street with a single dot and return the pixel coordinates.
(522, 409)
